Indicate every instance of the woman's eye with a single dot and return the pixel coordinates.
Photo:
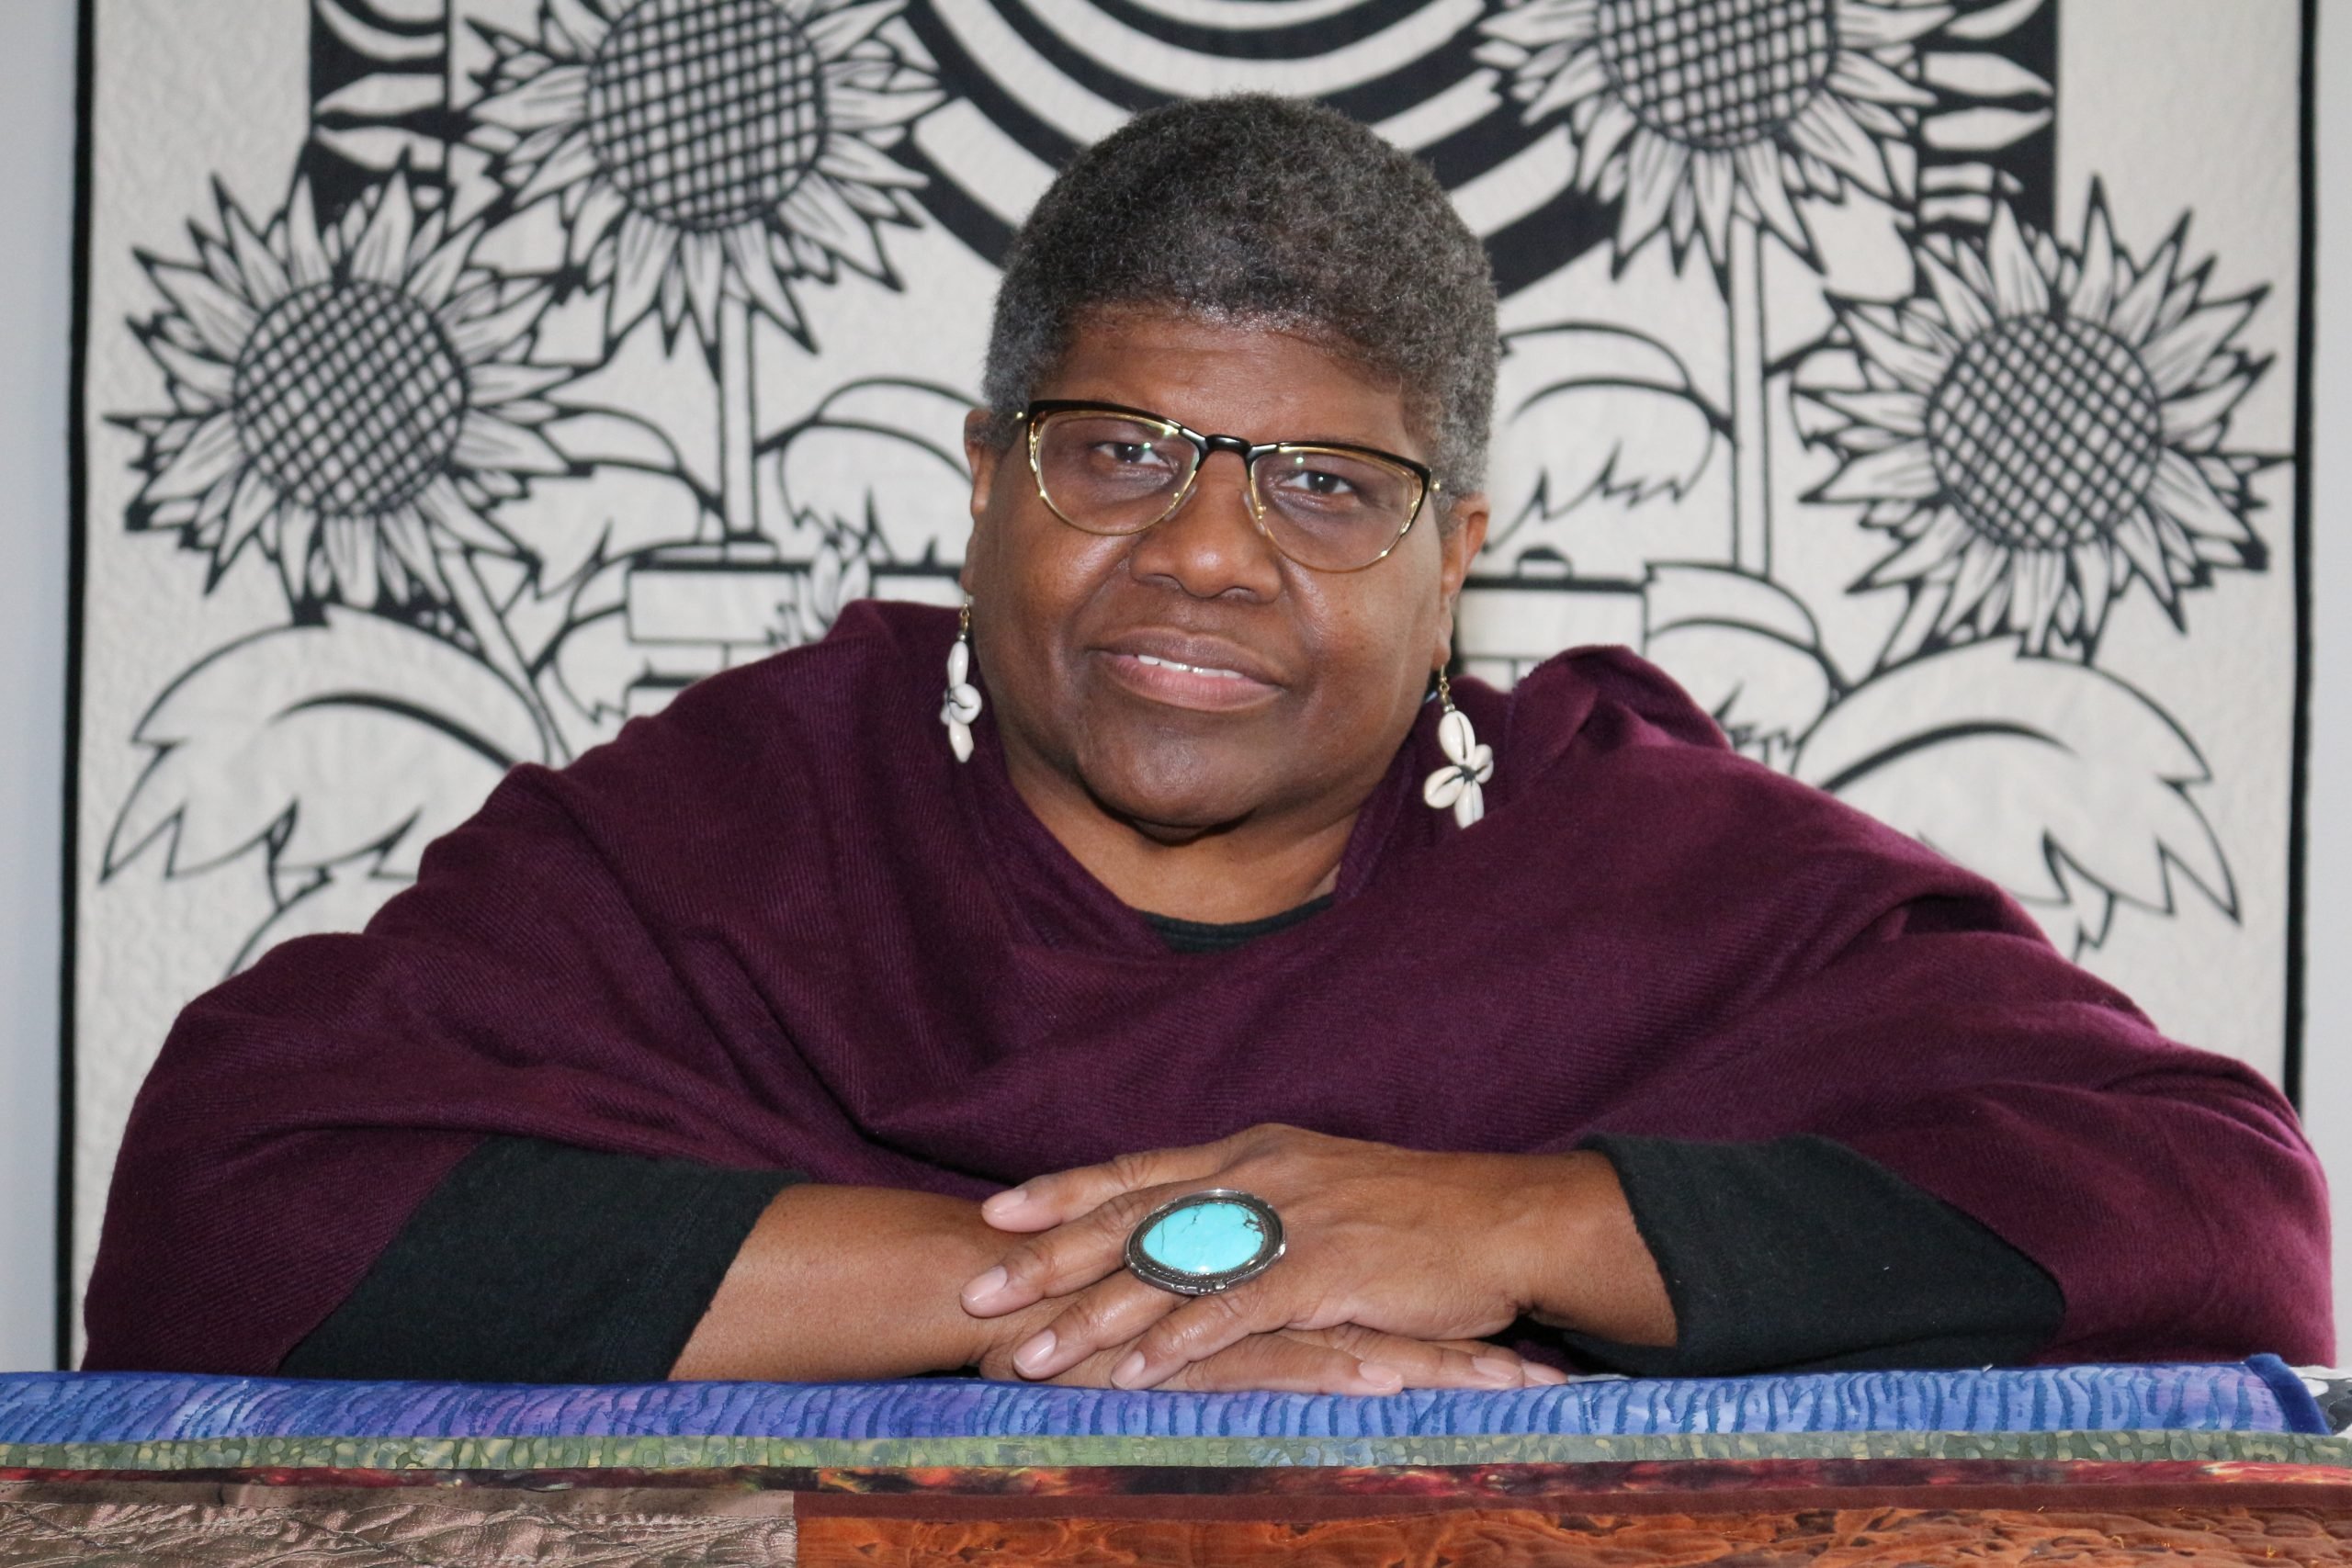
(1132, 454)
(1318, 481)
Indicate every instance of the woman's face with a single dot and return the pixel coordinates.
(1075, 632)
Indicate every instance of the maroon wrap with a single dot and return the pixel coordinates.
(779, 926)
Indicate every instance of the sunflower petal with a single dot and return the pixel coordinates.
(213, 451)
(500, 383)
(487, 441)
(1857, 75)
(381, 255)
(1920, 370)
(555, 97)
(1933, 555)
(351, 558)
(581, 23)
(1902, 472)
(837, 32)
(1540, 22)
(1759, 172)
(265, 278)
(816, 211)
(1613, 123)
(601, 206)
(747, 247)
(1829, 134)
(647, 246)
(854, 108)
(207, 377)
(1983, 565)
(2177, 358)
(1654, 169)
(443, 506)
(1861, 25)
(703, 260)
(2018, 287)
(221, 320)
(2194, 419)
(2181, 492)
(483, 337)
(1903, 412)
(572, 161)
(306, 250)
(1968, 313)
(2094, 291)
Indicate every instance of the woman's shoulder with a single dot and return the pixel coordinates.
(764, 729)
(1607, 697)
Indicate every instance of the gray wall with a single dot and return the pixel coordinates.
(36, 46)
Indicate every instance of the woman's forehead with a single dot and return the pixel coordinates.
(1263, 379)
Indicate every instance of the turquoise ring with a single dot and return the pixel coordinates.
(1205, 1242)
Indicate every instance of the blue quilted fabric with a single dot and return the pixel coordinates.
(2260, 1395)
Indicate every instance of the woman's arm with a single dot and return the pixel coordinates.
(841, 1283)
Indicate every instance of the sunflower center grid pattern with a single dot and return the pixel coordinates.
(1717, 73)
(2045, 432)
(707, 113)
(348, 397)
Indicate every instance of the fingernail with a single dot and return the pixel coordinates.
(985, 1288)
(1130, 1372)
(1541, 1373)
(1386, 1380)
(1033, 1355)
(1492, 1366)
(1005, 1202)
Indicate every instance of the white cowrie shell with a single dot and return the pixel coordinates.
(963, 704)
(1470, 805)
(1445, 786)
(1481, 762)
(959, 663)
(959, 738)
(1454, 736)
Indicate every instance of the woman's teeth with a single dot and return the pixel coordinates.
(1189, 668)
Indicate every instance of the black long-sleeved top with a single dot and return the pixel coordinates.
(536, 1262)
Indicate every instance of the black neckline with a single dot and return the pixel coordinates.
(1212, 936)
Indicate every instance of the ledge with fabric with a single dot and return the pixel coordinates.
(2218, 1462)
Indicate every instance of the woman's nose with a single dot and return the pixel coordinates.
(1212, 545)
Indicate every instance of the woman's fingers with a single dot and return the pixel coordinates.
(1204, 1327)
(1044, 1201)
(1459, 1363)
(1068, 1258)
(1283, 1364)
(1112, 1313)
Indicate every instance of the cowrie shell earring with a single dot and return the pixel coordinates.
(1468, 764)
(963, 704)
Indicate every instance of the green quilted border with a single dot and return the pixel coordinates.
(717, 1454)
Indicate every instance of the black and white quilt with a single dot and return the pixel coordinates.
(1916, 380)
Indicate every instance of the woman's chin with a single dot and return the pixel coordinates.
(1179, 803)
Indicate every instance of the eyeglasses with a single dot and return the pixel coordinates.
(1108, 470)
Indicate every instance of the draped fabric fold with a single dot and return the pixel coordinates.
(778, 926)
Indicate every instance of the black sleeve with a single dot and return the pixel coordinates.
(1800, 1255)
(537, 1263)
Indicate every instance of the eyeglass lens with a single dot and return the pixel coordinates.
(1117, 474)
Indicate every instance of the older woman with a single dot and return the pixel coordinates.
(887, 1007)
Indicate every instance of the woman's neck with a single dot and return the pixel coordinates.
(1241, 871)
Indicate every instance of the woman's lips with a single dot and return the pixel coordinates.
(1207, 687)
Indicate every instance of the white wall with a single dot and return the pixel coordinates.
(37, 64)
(36, 48)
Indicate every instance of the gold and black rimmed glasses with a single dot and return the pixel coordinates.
(1109, 469)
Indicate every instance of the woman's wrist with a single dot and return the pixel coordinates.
(1570, 1254)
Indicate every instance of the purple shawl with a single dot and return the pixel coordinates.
(779, 926)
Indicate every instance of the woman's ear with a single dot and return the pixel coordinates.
(1458, 544)
(982, 454)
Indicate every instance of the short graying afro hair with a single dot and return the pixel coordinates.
(1264, 210)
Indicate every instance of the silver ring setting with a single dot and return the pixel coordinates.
(1205, 1242)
